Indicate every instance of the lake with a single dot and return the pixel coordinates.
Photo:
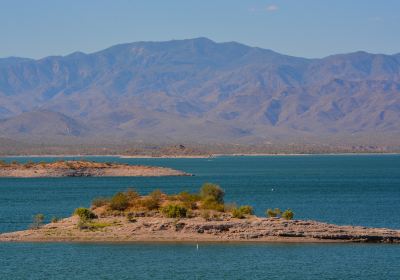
(342, 189)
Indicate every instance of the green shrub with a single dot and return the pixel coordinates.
(119, 202)
(273, 213)
(211, 204)
(236, 213)
(54, 219)
(212, 190)
(100, 201)
(38, 221)
(246, 210)
(288, 214)
(174, 211)
(84, 214)
(98, 225)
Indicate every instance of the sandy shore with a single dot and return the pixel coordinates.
(161, 229)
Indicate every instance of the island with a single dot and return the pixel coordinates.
(187, 217)
(82, 168)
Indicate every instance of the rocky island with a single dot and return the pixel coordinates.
(186, 217)
(82, 168)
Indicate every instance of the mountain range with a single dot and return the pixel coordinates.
(201, 91)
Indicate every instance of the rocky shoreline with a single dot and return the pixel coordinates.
(159, 229)
(83, 169)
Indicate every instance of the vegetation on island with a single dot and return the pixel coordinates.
(208, 203)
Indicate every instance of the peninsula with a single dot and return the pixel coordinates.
(82, 168)
(186, 217)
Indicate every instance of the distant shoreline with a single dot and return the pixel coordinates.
(197, 156)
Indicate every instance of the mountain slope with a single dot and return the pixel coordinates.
(199, 90)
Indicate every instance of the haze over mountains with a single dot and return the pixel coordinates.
(201, 91)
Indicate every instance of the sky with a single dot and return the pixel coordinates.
(306, 28)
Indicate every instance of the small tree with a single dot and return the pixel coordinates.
(288, 214)
(119, 202)
(214, 191)
(38, 221)
(85, 214)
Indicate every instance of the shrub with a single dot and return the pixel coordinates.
(212, 190)
(211, 204)
(188, 200)
(236, 213)
(150, 203)
(174, 211)
(246, 210)
(100, 201)
(273, 213)
(98, 225)
(119, 202)
(288, 214)
(38, 221)
(54, 219)
(132, 195)
(156, 194)
(84, 214)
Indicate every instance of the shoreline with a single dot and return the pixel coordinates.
(161, 230)
(196, 156)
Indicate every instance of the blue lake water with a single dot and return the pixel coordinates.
(360, 190)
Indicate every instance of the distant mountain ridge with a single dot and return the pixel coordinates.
(202, 91)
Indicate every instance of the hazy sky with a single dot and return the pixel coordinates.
(310, 28)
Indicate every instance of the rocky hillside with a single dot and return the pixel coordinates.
(199, 90)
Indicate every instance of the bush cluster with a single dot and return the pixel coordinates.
(212, 197)
(212, 192)
(174, 211)
(288, 214)
(236, 213)
(85, 214)
(273, 212)
(246, 209)
(242, 211)
(119, 202)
